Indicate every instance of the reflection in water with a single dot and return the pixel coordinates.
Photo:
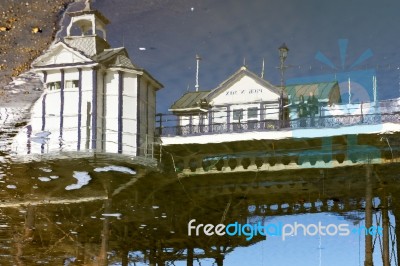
(132, 215)
(107, 210)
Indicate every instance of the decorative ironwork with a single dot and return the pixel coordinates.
(390, 113)
(266, 125)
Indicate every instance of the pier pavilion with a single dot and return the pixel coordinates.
(245, 101)
(96, 98)
(247, 124)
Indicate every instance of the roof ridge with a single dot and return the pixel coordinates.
(244, 71)
(52, 47)
(308, 83)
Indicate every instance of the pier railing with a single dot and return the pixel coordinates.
(388, 111)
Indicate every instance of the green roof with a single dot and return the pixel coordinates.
(190, 100)
(323, 91)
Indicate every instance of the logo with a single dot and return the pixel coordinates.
(279, 230)
(345, 102)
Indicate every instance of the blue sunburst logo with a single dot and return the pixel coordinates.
(343, 44)
(357, 86)
(359, 80)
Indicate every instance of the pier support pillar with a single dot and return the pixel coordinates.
(368, 216)
(385, 223)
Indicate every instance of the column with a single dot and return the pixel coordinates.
(94, 108)
(190, 124)
(189, 258)
(78, 147)
(219, 260)
(44, 109)
(281, 112)
(396, 214)
(28, 136)
(150, 121)
(368, 217)
(44, 103)
(44, 76)
(228, 118)
(43, 120)
(153, 256)
(138, 113)
(105, 236)
(209, 120)
(88, 107)
(103, 137)
(386, 232)
(261, 111)
(120, 109)
(44, 112)
(62, 105)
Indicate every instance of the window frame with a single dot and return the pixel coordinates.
(54, 85)
(251, 115)
(74, 82)
(235, 115)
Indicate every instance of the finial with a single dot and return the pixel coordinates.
(87, 5)
(262, 69)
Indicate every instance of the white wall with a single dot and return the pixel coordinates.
(71, 74)
(129, 113)
(245, 90)
(52, 107)
(244, 94)
(87, 84)
(219, 115)
(53, 75)
(69, 140)
(151, 106)
(111, 116)
(143, 116)
(271, 111)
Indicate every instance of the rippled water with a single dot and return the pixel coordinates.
(103, 209)
(107, 210)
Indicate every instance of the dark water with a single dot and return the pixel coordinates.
(127, 214)
(106, 210)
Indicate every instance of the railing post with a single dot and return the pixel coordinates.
(146, 146)
(160, 124)
(209, 121)
(228, 118)
(283, 113)
(280, 111)
(362, 115)
(261, 115)
(190, 124)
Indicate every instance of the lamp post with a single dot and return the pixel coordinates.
(283, 52)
